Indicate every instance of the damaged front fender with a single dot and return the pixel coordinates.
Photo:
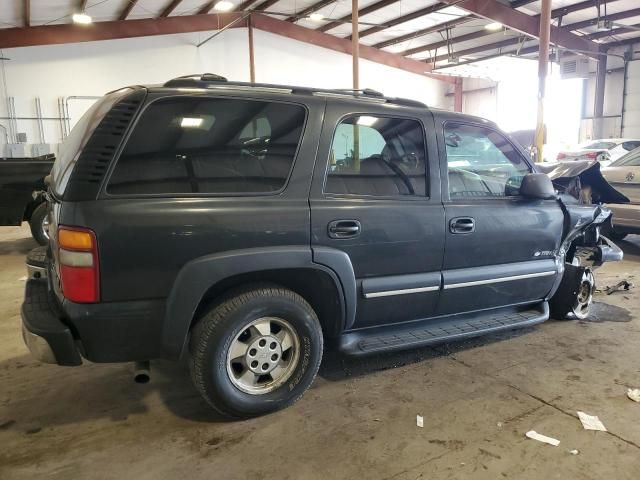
(582, 242)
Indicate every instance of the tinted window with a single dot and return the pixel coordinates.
(205, 145)
(599, 145)
(377, 156)
(482, 163)
(631, 159)
(628, 146)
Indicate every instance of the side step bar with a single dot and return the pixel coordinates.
(438, 330)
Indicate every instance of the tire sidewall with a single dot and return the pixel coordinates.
(35, 223)
(216, 380)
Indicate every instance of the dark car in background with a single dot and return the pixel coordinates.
(22, 194)
(247, 227)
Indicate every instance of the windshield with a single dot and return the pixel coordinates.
(631, 159)
(599, 145)
(72, 146)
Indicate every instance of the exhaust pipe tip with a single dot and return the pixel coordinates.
(142, 372)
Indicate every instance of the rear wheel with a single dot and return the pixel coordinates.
(256, 352)
(39, 224)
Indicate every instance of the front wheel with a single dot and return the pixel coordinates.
(575, 295)
(256, 352)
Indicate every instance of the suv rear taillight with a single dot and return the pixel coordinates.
(78, 260)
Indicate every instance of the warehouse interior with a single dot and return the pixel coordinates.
(561, 78)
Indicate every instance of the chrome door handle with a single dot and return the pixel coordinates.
(344, 228)
(462, 225)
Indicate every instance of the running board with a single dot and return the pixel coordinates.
(443, 329)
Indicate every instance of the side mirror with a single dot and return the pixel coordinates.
(537, 185)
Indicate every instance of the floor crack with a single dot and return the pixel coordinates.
(542, 400)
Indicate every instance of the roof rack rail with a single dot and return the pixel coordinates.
(206, 80)
(202, 77)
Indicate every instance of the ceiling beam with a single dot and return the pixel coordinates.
(127, 9)
(331, 42)
(266, 5)
(309, 10)
(483, 33)
(417, 14)
(443, 43)
(615, 31)
(404, 18)
(362, 11)
(170, 8)
(612, 17)
(426, 31)
(244, 5)
(206, 8)
(526, 24)
(559, 12)
(71, 33)
(26, 13)
(623, 43)
(576, 7)
(471, 51)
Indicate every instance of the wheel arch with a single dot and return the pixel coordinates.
(204, 280)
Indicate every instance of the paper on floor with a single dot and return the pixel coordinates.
(542, 438)
(634, 394)
(591, 422)
(420, 421)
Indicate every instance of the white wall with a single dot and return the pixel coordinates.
(613, 96)
(94, 68)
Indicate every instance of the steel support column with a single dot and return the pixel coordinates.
(543, 66)
(355, 44)
(457, 95)
(252, 63)
(598, 102)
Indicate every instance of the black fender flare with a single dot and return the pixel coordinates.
(200, 274)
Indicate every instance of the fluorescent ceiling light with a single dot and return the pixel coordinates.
(190, 122)
(316, 17)
(223, 6)
(81, 18)
(366, 121)
(494, 26)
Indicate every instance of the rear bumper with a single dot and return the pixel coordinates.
(47, 338)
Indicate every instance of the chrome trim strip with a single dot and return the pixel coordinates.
(499, 280)
(388, 293)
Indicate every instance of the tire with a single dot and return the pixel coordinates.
(574, 297)
(237, 326)
(39, 224)
(616, 235)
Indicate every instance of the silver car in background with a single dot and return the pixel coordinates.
(605, 150)
(624, 176)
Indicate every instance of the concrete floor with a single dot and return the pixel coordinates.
(477, 398)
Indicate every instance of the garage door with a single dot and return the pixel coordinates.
(631, 112)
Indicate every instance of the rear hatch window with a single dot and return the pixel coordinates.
(202, 145)
(72, 146)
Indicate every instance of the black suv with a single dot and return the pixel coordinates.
(249, 226)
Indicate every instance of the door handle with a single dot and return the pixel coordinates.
(344, 228)
(462, 225)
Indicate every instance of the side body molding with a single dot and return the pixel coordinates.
(199, 275)
(340, 263)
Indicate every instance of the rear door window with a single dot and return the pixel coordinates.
(184, 145)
